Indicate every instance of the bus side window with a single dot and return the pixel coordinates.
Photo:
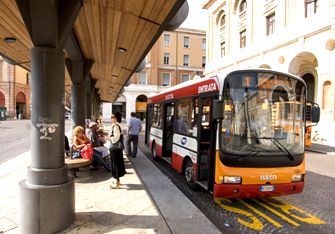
(156, 120)
(184, 117)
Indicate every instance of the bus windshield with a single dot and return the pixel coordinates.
(263, 113)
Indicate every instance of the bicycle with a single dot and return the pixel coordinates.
(318, 138)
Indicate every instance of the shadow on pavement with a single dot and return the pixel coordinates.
(107, 222)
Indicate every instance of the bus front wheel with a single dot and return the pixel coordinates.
(189, 174)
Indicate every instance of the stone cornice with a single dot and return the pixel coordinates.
(208, 4)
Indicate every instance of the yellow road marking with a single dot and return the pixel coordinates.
(260, 213)
(287, 208)
(256, 224)
(276, 213)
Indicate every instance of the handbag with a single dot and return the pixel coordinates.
(117, 145)
(87, 152)
(75, 153)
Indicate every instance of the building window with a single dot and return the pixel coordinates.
(166, 79)
(243, 5)
(310, 7)
(186, 60)
(203, 61)
(327, 95)
(203, 43)
(185, 77)
(270, 24)
(223, 49)
(186, 42)
(243, 39)
(221, 19)
(142, 77)
(166, 58)
(166, 39)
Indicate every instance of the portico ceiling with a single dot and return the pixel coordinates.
(115, 34)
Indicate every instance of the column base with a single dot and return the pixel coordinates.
(46, 209)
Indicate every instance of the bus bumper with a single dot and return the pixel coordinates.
(249, 191)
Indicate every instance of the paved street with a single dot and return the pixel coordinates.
(309, 212)
(15, 138)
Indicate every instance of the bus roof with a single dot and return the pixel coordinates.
(185, 89)
(205, 85)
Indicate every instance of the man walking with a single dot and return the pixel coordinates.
(134, 129)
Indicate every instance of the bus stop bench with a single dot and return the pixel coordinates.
(75, 164)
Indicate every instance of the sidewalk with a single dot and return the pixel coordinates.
(322, 149)
(150, 205)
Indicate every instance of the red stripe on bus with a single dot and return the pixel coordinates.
(177, 162)
(206, 86)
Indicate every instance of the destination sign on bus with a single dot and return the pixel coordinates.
(207, 88)
(169, 96)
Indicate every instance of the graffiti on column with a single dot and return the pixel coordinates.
(47, 130)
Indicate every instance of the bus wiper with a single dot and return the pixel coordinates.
(279, 146)
(253, 153)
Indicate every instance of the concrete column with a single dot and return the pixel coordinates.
(47, 192)
(47, 198)
(88, 100)
(88, 88)
(77, 104)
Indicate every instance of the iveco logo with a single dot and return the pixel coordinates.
(183, 140)
(268, 177)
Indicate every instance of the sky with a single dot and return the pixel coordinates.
(197, 17)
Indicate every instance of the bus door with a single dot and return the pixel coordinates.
(206, 146)
(148, 123)
(168, 130)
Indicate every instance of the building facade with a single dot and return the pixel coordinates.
(14, 90)
(295, 36)
(176, 57)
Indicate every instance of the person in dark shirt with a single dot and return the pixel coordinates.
(98, 150)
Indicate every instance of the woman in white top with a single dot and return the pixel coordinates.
(116, 154)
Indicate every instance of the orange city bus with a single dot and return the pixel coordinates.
(237, 135)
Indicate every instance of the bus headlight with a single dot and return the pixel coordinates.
(296, 178)
(232, 179)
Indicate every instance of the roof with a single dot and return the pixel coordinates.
(116, 35)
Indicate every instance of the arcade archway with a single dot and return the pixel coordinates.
(2, 100)
(304, 65)
(21, 107)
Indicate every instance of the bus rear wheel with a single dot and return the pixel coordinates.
(189, 174)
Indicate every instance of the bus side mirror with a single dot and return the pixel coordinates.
(315, 114)
(218, 109)
(312, 112)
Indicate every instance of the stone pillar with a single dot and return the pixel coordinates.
(47, 192)
(88, 88)
(77, 104)
(47, 198)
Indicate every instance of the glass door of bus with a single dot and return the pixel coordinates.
(168, 131)
(206, 137)
(148, 123)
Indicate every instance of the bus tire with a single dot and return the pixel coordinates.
(189, 174)
(153, 151)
